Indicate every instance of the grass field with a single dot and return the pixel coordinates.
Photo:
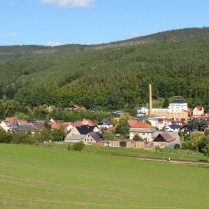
(39, 177)
(163, 153)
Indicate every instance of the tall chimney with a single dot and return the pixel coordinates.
(150, 99)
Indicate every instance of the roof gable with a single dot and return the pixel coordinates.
(95, 136)
(166, 137)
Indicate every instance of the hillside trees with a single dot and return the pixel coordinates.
(110, 78)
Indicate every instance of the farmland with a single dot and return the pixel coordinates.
(40, 177)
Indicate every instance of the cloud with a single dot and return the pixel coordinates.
(12, 35)
(69, 3)
(134, 34)
(9, 35)
(14, 2)
(51, 43)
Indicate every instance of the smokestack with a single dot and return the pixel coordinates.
(150, 99)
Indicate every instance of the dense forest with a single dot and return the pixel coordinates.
(107, 76)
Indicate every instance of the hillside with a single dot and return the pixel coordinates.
(113, 77)
(8, 53)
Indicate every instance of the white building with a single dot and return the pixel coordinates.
(178, 105)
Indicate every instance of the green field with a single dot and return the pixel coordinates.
(40, 177)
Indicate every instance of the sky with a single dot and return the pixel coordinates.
(59, 22)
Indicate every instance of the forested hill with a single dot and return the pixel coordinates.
(8, 53)
(110, 78)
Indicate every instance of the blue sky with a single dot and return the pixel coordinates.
(57, 22)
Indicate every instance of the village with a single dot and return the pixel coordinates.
(150, 128)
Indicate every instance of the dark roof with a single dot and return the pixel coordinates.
(23, 128)
(85, 129)
(93, 109)
(105, 121)
(99, 134)
(178, 100)
(174, 126)
(189, 128)
(117, 114)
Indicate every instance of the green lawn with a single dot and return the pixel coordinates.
(40, 177)
(162, 153)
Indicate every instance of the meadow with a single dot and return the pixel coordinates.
(39, 177)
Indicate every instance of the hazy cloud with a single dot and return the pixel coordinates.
(9, 35)
(134, 34)
(69, 3)
(12, 35)
(51, 43)
(14, 2)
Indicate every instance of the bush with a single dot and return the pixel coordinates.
(177, 146)
(69, 147)
(5, 137)
(78, 146)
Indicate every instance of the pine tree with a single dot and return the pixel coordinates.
(166, 102)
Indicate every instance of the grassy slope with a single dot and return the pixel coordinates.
(37, 177)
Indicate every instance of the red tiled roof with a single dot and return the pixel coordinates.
(55, 125)
(131, 122)
(141, 125)
(76, 106)
(76, 124)
(65, 124)
(10, 119)
(112, 128)
(88, 121)
(189, 110)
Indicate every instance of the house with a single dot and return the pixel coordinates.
(165, 138)
(89, 138)
(67, 126)
(7, 123)
(143, 130)
(117, 114)
(141, 111)
(16, 127)
(105, 124)
(175, 128)
(159, 123)
(92, 138)
(82, 130)
(198, 110)
(178, 105)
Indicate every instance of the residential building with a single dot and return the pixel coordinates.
(143, 130)
(198, 111)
